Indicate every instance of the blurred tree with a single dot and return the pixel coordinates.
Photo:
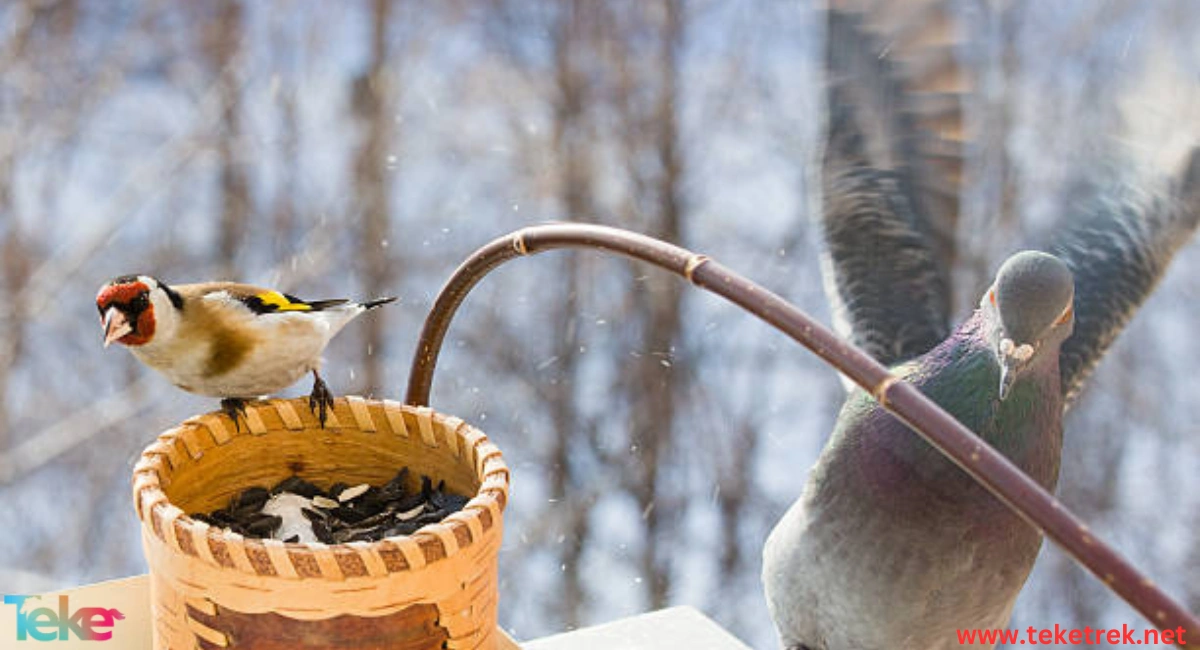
(654, 437)
(647, 101)
(374, 170)
(576, 35)
(223, 37)
(16, 103)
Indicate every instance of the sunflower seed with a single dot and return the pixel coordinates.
(325, 502)
(411, 513)
(349, 494)
(296, 510)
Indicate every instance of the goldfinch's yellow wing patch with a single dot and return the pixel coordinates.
(283, 302)
(273, 301)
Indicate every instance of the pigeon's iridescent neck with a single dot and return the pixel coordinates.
(963, 376)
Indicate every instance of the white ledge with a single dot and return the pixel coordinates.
(677, 627)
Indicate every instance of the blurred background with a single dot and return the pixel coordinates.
(365, 148)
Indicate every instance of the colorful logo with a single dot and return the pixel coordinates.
(46, 624)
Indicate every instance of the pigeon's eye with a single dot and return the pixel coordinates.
(992, 297)
(1066, 316)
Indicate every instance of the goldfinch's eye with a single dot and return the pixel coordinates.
(141, 302)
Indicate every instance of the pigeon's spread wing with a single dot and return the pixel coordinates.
(891, 175)
(1117, 254)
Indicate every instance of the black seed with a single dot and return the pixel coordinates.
(372, 498)
(396, 487)
(297, 485)
(380, 519)
(348, 514)
(255, 497)
(409, 502)
(454, 502)
(321, 531)
(431, 517)
(245, 513)
(314, 515)
(264, 525)
(402, 528)
(370, 516)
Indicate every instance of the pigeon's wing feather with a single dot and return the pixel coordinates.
(891, 174)
(1118, 253)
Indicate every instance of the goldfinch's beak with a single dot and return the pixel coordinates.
(115, 325)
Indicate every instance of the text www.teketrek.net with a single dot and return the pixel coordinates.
(1124, 635)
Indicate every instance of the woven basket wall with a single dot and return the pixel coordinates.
(215, 589)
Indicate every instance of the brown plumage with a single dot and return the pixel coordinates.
(224, 339)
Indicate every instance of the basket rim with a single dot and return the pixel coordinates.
(429, 544)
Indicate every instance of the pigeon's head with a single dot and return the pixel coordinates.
(1029, 312)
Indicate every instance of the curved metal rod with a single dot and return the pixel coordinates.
(987, 466)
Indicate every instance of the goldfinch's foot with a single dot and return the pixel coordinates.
(234, 407)
(320, 400)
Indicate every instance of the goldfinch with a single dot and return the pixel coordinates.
(223, 339)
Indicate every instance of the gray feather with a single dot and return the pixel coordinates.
(1117, 254)
(891, 177)
(889, 296)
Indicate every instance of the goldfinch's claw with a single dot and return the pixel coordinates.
(320, 400)
(234, 407)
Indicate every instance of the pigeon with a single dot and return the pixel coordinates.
(891, 545)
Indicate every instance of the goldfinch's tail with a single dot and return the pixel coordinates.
(378, 302)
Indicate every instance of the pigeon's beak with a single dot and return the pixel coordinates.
(1012, 359)
(116, 325)
(1008, 374)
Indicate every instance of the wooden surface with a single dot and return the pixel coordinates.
(668, 629)
(130, 596)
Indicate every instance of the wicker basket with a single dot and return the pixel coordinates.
(216, 589)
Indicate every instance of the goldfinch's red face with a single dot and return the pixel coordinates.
(126, 312)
